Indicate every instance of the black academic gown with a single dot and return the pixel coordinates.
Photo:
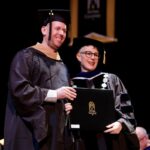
(127, 139)
(29, 119)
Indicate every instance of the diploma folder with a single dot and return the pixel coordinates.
(93, 109)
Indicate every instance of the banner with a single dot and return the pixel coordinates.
(91, 17)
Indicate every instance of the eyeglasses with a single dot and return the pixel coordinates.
(90, 54)
(142, 138)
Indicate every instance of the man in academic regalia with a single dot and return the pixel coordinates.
(36, 110)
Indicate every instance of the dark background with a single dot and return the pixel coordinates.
(129, 58)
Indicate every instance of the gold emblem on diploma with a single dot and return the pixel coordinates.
(92, 110)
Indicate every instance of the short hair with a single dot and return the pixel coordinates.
(141, 131)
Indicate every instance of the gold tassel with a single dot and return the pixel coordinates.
(104, 57)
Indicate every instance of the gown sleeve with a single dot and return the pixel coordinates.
(27, 96)
(123, 105)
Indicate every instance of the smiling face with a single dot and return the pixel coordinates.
(58, 34)
(88, 56)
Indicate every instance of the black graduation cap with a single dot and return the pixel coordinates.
(48, 15)
(79, 42)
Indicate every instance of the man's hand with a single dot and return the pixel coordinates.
(68, 108)
(66, 93)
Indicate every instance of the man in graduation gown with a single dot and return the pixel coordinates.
(36, 110)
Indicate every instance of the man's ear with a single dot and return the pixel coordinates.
(44, 30)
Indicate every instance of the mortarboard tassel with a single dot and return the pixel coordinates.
(50, 24)
(104, 57)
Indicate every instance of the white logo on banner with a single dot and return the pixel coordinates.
(93, 9)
